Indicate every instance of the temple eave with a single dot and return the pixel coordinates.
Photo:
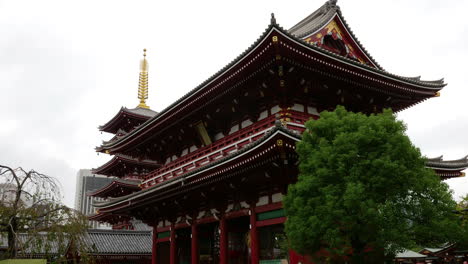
(279, 137)
(137, 115)
(117, 188)
(122, 165)
(292, 48)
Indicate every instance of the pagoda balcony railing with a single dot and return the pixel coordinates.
(224, 146)
(131, 177)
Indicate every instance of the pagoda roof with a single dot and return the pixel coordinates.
(118, 242)
(137, 113)
(447, 169)
(118, 185)
(412, 84)
(440, 164)
(120, 163)
(124, 201)
(408, 254)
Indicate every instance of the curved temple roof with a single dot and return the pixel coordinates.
(117, 184)
(439, 163)
(123, 161)
(428, 88)
(314, 22)
(137, 113)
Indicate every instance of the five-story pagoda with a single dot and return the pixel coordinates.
(128, 171)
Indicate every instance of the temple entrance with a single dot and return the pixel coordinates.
(208, 241)
(163, 253)
(273, 246)
(183, 246)
(238, 238)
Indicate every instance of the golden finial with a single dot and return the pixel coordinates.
(143, 83)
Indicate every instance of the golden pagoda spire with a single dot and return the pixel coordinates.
(143, 83)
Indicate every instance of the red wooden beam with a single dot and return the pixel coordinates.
(206, 220)
(269, 207)
(194, 246)
(163, 229)
(254, 247)
(181, 225)
(160, 240)
(173, 246)
(236, 214)
(223, 247)
(273, 221)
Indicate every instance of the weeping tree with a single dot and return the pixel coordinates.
(32, 216)
(363, 192)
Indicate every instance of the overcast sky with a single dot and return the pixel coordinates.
(68, 66)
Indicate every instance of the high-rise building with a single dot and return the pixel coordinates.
(87, 182)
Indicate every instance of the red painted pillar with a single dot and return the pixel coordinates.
(254, 247)
(194, 241)
(154, 248)
(223, 241)
(173, 246)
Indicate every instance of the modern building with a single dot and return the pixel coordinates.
(209, 172)
(88, 182)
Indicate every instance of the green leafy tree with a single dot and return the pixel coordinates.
(462, 212)
(32, 218)
(363, 191)
(463, 206)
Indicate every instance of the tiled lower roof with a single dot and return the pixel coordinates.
(409, 254)
(121, 242)
(40, 245)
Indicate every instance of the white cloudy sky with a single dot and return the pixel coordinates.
(68, 66)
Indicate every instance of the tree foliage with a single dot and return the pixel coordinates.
(32, 216)
(363, 191)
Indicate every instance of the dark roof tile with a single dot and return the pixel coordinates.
(118, 242)
(439, 163)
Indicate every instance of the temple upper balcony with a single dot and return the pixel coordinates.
(240, 136)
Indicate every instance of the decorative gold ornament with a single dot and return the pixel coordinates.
(279, 142)
(284, 121)
(275, 39)
(280, 71)
(143, 82)
(462, 174)
(437, 94)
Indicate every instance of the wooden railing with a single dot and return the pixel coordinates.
(221, 148)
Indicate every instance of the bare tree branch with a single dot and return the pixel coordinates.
(30, 204)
